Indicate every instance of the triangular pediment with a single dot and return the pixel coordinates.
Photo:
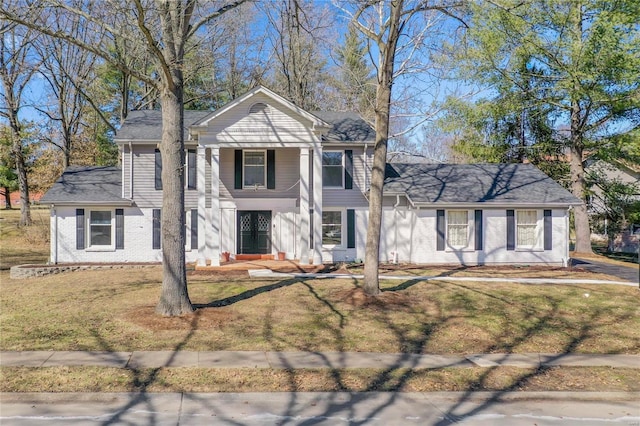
(263, 116)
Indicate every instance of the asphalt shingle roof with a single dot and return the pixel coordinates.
(147, 125)
(475, 183)
(347, 127)
(93, 184)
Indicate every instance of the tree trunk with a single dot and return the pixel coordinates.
(580, 215)
(174, 298)
(7, 198)
(382, 110)
(576, 164)
(21, 172)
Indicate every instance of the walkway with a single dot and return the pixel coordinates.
(278, 360)
(268, 273)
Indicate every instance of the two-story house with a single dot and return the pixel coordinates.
(263, 176)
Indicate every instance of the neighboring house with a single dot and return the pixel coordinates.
(34, 197)
(628, 239)
(263, 176)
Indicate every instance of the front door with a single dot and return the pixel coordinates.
(254, 232)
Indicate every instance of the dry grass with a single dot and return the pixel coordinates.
(96, 379)
(23, 245)
(113, 310)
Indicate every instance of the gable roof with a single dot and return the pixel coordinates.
(87, 185)
(316, 121)
(146, 125)
(522, 184)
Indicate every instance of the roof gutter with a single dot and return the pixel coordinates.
(53, 203)
(494, 205)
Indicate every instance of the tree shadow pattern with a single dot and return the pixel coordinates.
(392, 380)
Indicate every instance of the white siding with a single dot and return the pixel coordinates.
(412, 233)
(278, 125)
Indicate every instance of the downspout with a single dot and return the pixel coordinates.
(366, 171)
(395, 223)
(54, 252)
(130, 171)
(567, 260)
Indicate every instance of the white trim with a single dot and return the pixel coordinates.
(343, 230)
(470, 246)
(88, 245)
(264, 174)
(317, 123)
(342, 168)
(538, 245)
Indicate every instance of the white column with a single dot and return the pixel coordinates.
(213, 243)
(317, 206)
(304, 206)
(202, 206)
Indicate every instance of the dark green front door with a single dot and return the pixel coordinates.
(254, 232)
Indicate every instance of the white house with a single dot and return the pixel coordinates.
(263, 176)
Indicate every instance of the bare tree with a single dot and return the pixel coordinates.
(388, 27)
(164, 28)
(17, 67)
(298, 31)
(69, 71)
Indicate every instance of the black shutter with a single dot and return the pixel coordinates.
(348, 169)
(119, 229)
(156, 228)
(80, 229)
(351, 228)
(548, 231)
(478, 229)
(271, 169)
(158, 169)
(511, 230)
(440, 229)
(194, 229)
(238, 169)
(192, 162)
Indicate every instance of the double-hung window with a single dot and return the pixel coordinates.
(255, 169)
(526, 228)
(332, 169)
(332, 228)
(100, 228)
(457, 228)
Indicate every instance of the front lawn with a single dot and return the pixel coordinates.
(114, 311)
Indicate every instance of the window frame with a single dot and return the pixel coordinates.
(112, 226)
(343, 224)
(341, 166)
(469, 226)
(538, 243)
(244, 168)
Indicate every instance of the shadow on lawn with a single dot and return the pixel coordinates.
(392, 381)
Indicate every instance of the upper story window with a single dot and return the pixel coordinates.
(100, 228)
(254, 168)
(457, 228)
(332, 169)
(526, 228)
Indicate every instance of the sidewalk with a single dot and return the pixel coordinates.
(301, 360)
(323, 408)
